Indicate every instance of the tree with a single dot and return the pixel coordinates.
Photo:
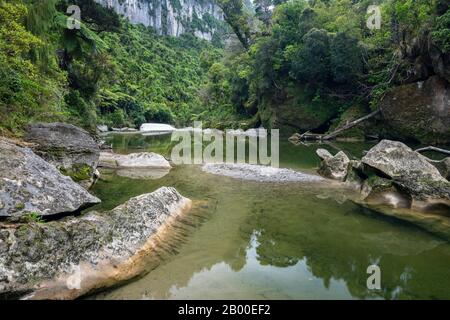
(346, 62)
(263, 10)
(238, 19)
(311, 63)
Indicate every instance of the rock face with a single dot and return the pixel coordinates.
(409, 170)
(71, 149)
(259, 173)
(333, 167)
(419, 111)
(171, 18)
(29, 184)
(133, 160)
(68, 258)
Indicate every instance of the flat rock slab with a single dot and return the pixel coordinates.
(260, 173)
(30, 184)
(140, 160)
(68, 258)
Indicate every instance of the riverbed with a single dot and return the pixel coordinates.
(253, 240)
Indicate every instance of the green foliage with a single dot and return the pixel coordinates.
(324, 47)
(441, 34)
(311, 62)
(34, 217)
(78, 172)
(238, 19)
(315, 55)
(108, 70)
(26, 92)
(155, 78)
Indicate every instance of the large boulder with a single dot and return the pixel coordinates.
(409, 170)
(333, 167)
(68, 258)
(28, 184)
(419, 111)
(71, 149)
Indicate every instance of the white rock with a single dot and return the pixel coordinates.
(133, 160)
(156, 127)
(259, 173)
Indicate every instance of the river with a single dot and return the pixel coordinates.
(250, 240)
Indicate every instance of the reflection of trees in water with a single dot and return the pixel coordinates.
(290, 224)
(343, 246)
(127, 142)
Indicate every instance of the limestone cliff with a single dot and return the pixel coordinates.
(172, 17)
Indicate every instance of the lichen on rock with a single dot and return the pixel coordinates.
(71, 149)
(30, 184)
(70, 257)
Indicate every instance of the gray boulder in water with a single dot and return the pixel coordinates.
(68, 258)
(409, 170)
(71, 149)
(333, 167)
(29, 184)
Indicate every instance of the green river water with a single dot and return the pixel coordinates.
(250, 240)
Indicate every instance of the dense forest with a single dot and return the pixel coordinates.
(108, 192)
(274, 57)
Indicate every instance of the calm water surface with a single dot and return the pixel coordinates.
(247, 240)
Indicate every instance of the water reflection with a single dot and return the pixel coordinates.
(246, 240)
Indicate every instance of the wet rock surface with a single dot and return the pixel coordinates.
(72, 256)
(398, 182)
(260, 173)
(28, 184)
(409, 170)
(333, 167)
(133, 160)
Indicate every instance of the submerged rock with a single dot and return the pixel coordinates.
(71, 149)
(381, 191)
(409, 170)
(28, 184)
(68, 258)
(133, 160)
(333, 167)
(259, 173)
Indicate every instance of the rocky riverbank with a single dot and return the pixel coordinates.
(48, 250)
(394, 180)
(67, 258)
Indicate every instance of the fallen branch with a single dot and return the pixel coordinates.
(349, 125)
(431, 148)
(318, 136)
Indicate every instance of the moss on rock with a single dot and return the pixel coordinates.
(78, 172)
